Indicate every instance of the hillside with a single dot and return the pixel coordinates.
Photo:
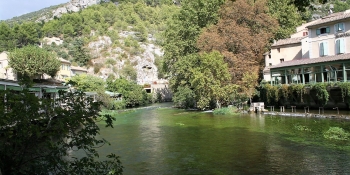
(109, 39)
(33, 16)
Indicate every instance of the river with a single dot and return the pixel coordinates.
(162, 140)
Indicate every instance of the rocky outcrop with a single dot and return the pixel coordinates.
(72, 6)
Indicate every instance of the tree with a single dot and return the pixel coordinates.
(87, 83)
(133, 94)
(41, 137)
(185, 27)
(287, 15)
(250, 81)
(32, 61)
(26, 34)
(79, 53)
(202, 79)
(6, 38)
(241, 35)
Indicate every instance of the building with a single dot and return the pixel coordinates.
(321, 56)
(66, 70)
(5, 71)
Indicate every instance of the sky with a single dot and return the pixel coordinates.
(12, 8)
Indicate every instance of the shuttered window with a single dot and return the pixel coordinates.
(340, 46)
(339, 27)
(323, 49)
(323, 30)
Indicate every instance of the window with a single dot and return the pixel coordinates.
(323, 30)
(282, 60)
(270, 64)
(339, 27)
(323, 49)
(269, 56)
(1, 66)
(305, 33)
(279, 50)
(339, 46)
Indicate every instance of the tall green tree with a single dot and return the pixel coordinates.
(39, 136)
(185, 27)
(32, 61)
(287, 15)
(87, 83)
(7, 42)
(26, 34)
(205, 80)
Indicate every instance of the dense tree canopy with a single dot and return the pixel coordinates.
(242, 35)
(39, 136)
(87, 83)
(31, 61)
(185, 27)
(205, 80)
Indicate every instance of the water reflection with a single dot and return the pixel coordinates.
(169, 141)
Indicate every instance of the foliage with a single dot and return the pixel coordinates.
(206, 76)
(184, 97)
(129, 72)
(336, 133)
(226, 111)
(79, 53)
(19, 35)
(272, 93)
(301, 128)
(242, 33)
(184, 28)
(31, 61)
(287, 15)
(340, 6)
(321, 92)
(345, 90)
(87, 83)
(250, 81)
(298, 89)
(39, 136)
(133, 94)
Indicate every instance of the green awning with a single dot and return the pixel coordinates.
(34, 89)
(15, 88)
(2, 87)
(50, 90)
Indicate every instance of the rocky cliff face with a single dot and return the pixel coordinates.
(72, 6)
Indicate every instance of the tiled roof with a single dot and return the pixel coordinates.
(288, 41)
(63, 60)
(78, 68)
(306, 61)
(331, 17)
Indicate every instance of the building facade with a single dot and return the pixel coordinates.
(321, 56)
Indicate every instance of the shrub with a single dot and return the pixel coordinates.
(111, 61)
(97, 67)
(226, 111)
(336, 133)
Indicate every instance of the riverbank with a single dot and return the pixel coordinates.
(308, 115)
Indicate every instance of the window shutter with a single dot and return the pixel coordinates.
(321, 49)
(327, 30)
(341, 27)
(318, 32)
(337, 46)
(325, 48)
(341, 45)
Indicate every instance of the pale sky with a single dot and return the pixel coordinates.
(12, 8)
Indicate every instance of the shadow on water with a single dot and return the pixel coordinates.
(171, 141)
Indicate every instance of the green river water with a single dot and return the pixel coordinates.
(163, 140)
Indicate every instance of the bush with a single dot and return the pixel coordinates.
(97, 67)
(119, 105)
(336, 133)
(226, 111)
